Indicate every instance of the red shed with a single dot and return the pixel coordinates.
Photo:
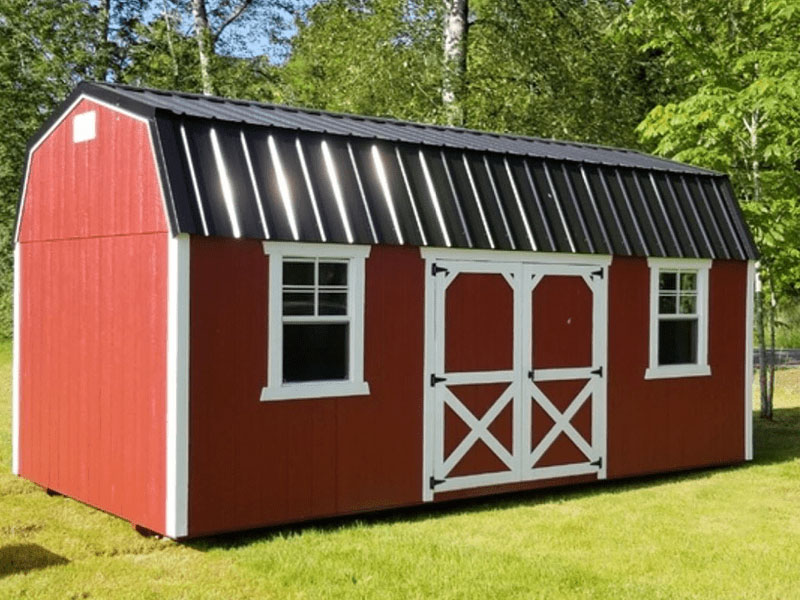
(231, 314)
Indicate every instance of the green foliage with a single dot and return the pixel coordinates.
(739, 113)
(378, 57)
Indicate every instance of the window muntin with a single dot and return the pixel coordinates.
(316, 324)
(678, 318)
(315, 321)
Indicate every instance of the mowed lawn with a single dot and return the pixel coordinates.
(725, 533)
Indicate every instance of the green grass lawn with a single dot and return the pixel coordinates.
(726, 533)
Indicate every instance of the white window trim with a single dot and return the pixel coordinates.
(276, 389)
(701, 368)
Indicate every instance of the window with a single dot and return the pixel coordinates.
(316, 312)
(678, 318)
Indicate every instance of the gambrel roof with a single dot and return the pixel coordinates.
(238, 168)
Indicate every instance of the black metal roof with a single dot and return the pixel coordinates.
(245, 169)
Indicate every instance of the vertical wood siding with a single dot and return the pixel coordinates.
(93, 246)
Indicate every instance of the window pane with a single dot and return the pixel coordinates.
(297, 303)
(667, 280)
(298, 273)
(689, 282)
(667, 304)
(315, 351)
(677, 342)
(688, 304)
(332, 303)
(332, 273)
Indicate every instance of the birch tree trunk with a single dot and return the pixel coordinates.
(763, 380)
(105, 15)
(202, 33)
(455, 60)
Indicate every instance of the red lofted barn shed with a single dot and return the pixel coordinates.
(231, 314)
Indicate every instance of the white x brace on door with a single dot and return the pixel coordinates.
(515, 372)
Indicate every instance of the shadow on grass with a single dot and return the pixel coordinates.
(21, 558)
(775, 441)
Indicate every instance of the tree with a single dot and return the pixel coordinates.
(46, 47)
(454, 61)
(738, 114)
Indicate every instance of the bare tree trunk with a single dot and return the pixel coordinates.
(455, 60)
(170, 46)
(763, 382)
(202, 33)
(105, 44)
(773, 307)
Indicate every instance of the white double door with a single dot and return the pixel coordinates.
(516, 381)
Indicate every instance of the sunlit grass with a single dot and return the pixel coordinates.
(725, 533)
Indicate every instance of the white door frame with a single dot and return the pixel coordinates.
(507, 263)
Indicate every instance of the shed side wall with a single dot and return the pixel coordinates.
(254, 463)
(92, 381)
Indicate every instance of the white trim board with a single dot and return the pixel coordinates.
(15, 406)
(177, 441)
(515, 256)
(748, 361)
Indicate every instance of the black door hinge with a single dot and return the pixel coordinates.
(598, 463)
(530, 374)
(598, 371)
(598, 273)
(434, 482)
(435, 379)
(436, 269)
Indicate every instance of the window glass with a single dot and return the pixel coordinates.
(677, 341)
(332, 303)
(332, 273)
(297, 303)
(667, 280)
(298, 272)
(315, 352)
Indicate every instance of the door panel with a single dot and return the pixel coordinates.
(562, 314)
(477, 400)
(479, 323)
(566, 356)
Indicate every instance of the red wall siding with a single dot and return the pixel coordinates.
(93, 248)
(254, 463)
(668, 424)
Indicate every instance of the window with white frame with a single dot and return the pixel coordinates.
(316, 314)
(678, 318)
